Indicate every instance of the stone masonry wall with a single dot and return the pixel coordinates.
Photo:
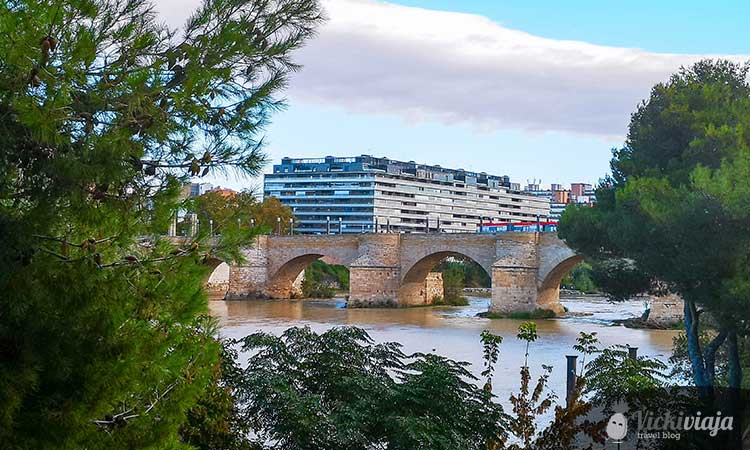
(433, 287)
(514, 273)
(513, 290)
(665, 311)
(373, 287)
(250, 279)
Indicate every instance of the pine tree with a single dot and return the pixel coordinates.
(104, 114)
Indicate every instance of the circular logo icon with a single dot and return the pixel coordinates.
(617, 427)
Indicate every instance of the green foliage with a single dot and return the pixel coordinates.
(474, 276)
(587, 344)
(104, 114)
(322, 279)
(614, 377)
(215, 421)
(451, 301)
(621, 279)
(580, 279)
(669, 220)
(527, 332)
(233, 212)
(339, 390)
(491, 352)
(453, 283)
(537, 314)
(312, 289)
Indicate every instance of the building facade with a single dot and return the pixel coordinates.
(365, 194)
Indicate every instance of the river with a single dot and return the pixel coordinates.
(454, 331)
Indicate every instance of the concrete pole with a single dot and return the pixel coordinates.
(341, 228)
(328, 224)
(376, 225)
(278, 226)
(291, 226)
(570, 384)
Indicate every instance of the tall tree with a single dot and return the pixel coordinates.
(665, 219)
(104, 113)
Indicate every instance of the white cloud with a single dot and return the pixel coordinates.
(376, 57)
(423, 64)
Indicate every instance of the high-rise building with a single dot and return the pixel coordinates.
(360, 191)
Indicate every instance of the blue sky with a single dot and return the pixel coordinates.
(503, 91)
(671, 26)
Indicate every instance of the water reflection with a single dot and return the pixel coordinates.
(454, 331)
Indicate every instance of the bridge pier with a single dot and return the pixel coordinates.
(250, 280)
(513, 289)
(373, 287)
(375, 274)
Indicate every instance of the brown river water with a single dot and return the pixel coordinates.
(454, 331)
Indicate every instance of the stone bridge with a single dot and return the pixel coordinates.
(391, 269)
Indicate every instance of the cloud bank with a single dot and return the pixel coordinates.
(377, 57)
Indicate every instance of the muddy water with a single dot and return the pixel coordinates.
(454, 331)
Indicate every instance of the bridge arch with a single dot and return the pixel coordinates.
(216, 279)
(548, 296)
(412, 290)
(281, 283)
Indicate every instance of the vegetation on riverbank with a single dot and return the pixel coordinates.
(450, 301)
(322, 280)
(580, 279)
(538, 313)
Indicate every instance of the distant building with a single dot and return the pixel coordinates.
(580, 189)
(198, 189)
(559, 197)
(399, 196)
